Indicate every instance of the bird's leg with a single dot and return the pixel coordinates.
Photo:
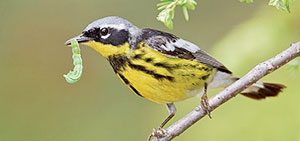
(172, 110)
(159, 132)
(204, 101)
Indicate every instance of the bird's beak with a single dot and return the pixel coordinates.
(80, 39)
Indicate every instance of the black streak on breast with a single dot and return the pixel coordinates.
(118, 62)
(123, 78)
(135, 90)
(166, 66)
(150, 72)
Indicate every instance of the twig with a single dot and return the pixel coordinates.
(251, 77)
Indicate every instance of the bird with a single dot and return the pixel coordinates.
(160, 66)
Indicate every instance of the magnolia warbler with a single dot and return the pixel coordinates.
(160, 66)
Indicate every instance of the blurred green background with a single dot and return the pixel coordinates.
(36, 104)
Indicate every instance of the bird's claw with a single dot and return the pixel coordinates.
(205, 105)
(157, 132)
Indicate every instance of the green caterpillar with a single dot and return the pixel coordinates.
(75, 74)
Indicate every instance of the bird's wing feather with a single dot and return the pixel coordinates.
(171, 45)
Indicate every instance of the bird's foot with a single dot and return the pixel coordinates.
(205, 105)
(157, 132)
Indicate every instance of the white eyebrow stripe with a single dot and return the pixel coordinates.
(115, 26)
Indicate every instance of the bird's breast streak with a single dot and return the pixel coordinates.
(162, 79)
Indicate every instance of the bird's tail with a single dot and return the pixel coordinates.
(261, 90)
(258, 90)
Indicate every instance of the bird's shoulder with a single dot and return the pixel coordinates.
(174, 46)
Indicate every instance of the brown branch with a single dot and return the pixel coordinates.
(251, 77)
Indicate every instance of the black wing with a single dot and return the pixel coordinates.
(169, 44)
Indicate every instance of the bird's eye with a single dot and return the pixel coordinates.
(103, 31)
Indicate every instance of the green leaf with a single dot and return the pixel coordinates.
(167, 10)
(281, 4)
(190, 4)
(169, 24)
(166, 16)
(247, 1)
(181, 2)
(165, 3)
(185, 13)
(162, 7)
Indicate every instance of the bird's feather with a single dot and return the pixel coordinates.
(173, 46)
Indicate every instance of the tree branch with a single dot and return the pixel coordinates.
(251, 77)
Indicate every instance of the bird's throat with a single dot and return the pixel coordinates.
(107, 50)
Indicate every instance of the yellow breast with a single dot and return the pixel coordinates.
(153, 75)
(164, 79)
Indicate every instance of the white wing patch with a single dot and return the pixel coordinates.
(180, 43)
(168, 47)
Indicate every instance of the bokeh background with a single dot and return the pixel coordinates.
(36, 104)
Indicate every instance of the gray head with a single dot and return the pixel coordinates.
(111, 21)
(109, 30)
